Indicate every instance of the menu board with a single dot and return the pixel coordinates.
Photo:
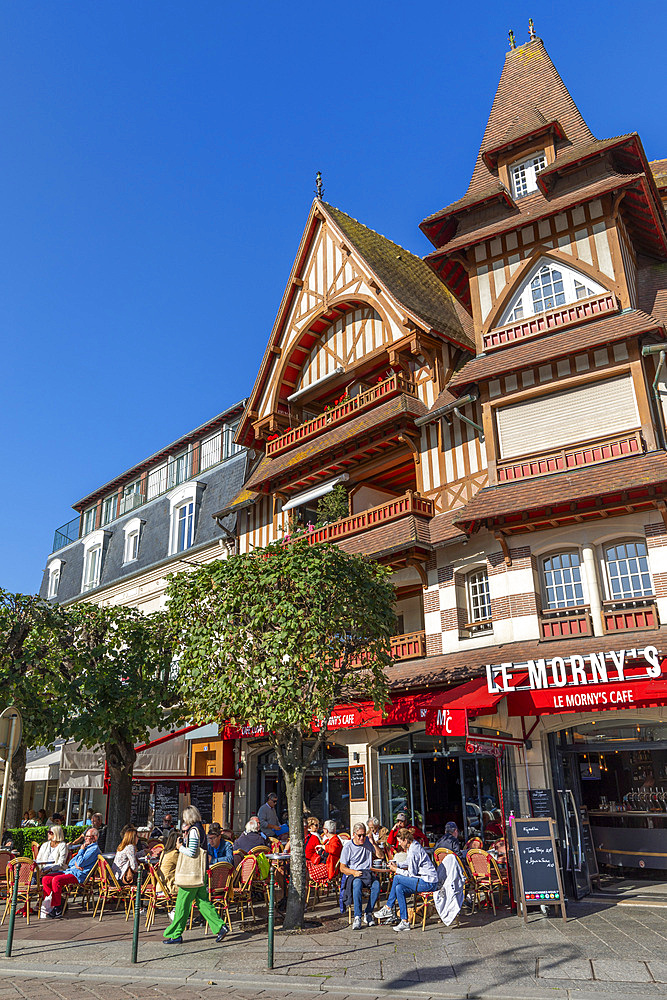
(357, 774)
(587, 843)
(542, 802)
(140, 801)
(536, 860)
(166, 801)
(201, 796)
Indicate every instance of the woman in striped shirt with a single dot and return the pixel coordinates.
(192, 841)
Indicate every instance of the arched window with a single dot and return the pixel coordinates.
(549, 286)
(627, 571)
(478, 599)
(561, 578)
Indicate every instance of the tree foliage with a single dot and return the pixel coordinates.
(333, 506)
(275, 640)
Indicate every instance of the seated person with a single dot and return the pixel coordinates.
(373, 827)
(403, 824)
(474, 842)
(168, 860)
(331, 848)
(494, 827)
(125, 862)
(41, 817)
(269, 824)
(52, 855)
(97, 823)
(217, 848)
(420, 875)
(450, 838)
(77, 870)
(356, 862)
(251, 837)
(89, 817)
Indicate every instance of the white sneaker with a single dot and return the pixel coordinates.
(368, 920)
(402, 926)
(384, 914)
(356, 924)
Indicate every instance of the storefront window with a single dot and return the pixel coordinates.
(326, 791)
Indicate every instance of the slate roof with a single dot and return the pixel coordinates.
(652, 290)
(590, 482)
(392, 409)
(552, 345)
(406, 276)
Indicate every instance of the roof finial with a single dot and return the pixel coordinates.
(319, 189)
(531, 29)
(512, 39)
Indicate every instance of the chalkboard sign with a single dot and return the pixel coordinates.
(140, 801)
(542, 802)
(201, 796)
(587, 843)
(357, 782)
(166, 801)
(536, 861)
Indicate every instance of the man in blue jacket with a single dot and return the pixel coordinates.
(77, 870)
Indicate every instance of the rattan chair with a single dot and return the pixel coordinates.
(422, 901)
(111, 889)
(158, 894)
(220, 878)
(22, 869)
(483, 876)
(85, 890)
(242, 886)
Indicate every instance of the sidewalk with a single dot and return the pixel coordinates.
(602, 949)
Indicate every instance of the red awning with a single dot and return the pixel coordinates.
(641, 693)
(448, 712)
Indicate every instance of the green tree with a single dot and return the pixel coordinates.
(274, 639)
(116, 671)
(333, 506)
(28, 626)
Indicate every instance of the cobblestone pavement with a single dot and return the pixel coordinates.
(600, 950)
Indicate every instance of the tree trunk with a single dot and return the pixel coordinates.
(120, 758)
(14, 813)
(296, 898)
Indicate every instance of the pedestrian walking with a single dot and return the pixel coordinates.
(190, 877)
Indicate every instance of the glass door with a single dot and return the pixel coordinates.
(568, 796)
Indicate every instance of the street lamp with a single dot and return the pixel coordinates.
(11, 726)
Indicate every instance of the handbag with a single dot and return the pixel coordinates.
(190, 872)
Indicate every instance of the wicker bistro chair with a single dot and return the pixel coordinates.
(324, 885)
(35, 850)
(111, 889)
(85, 891)
(5, 858)
(421, 903)
(157, 895)
(499, 880)
(242, 886)
(220, 878)
(483, 876)
(22, 869)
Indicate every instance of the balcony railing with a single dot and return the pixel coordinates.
(533, 326)
(561, 623)
(395, 384)
(409, 646)
(409, 503)
(65, 534)
(574, 457)
(620, 616)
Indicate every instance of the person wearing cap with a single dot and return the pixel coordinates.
(217, 848)
(450, 839)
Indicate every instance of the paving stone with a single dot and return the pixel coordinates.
(551, 967)
(658, 970)
(612, 971)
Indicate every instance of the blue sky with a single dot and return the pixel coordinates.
(158, 164)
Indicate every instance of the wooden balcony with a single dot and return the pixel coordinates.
(561, 623)
(546, 322)
(622, 616)
(393, 386)
(409, 503)
(409, 646)
(573, 457)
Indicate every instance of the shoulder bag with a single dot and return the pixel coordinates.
(190, 872)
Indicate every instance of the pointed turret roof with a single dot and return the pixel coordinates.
(530, 93)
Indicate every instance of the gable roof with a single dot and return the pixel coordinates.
(408, 278)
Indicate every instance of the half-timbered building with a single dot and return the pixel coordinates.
(495, 415)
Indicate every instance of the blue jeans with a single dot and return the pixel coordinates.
(357, 886)
(405, 885)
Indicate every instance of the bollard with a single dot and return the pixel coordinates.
(137, 915)
(272, 881)
(12, 912)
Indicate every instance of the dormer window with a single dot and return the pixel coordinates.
(524, 174)
(549, 286)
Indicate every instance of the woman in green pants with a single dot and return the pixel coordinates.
(192, 841)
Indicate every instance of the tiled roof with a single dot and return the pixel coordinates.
(528, 83)
(494, 190)
(593, 481)
(659, 171)
(443, 528)
(243, 499)
(652, 290)
(392, 409)
(406, 276)
(526, 122)
(464, 665)
(572, 154)
(532, 208)
(550, 346)
(388, 538)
